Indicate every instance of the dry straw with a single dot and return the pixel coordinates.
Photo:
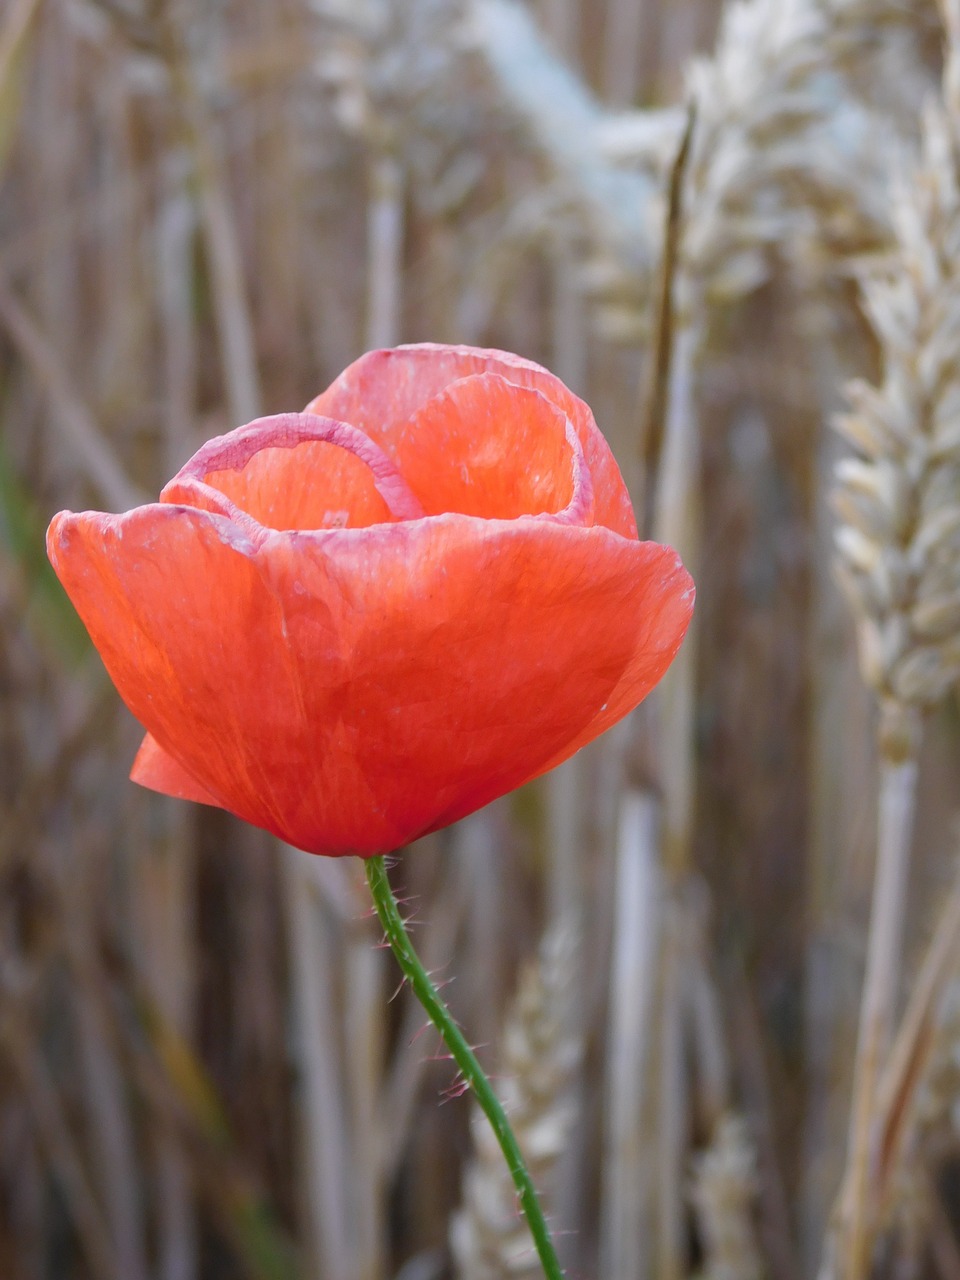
(773, 174)
(164, 259)
(897, 556)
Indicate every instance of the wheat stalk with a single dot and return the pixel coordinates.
(76, 424)
(630, 1033)
(771, 174)
(22, 1054)
(323, 1138)
(917, 1094)
(897, 545)
(13, 34)
(766, 130)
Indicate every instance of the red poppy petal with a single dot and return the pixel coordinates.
(155, 769)
(298, 471)
(452, 453)
(383, 390)
(671, 610)
(475, 653)
(350, 689)
(188, 631)
(185, 491)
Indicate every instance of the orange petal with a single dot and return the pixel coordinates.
(486, 447)
(155, 769)
(296, 471)
(383, 390)
(669, 613)
(351, 689)
(478, 652)
(187, 630)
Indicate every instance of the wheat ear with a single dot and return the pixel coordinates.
(723, 1193)
(897, 557)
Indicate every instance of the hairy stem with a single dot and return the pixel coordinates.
(465, 1058)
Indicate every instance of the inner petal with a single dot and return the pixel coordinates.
(486, 447)
(300, 472)
(314, 485)
(383, 390)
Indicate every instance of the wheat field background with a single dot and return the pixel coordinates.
(663, 949)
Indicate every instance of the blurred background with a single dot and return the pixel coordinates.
(206, 1067)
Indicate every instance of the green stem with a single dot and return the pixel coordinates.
(465, 1058)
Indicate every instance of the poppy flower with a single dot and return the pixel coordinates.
(357, 624)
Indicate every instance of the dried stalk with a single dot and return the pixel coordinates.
(79, 428)
(673, 1119)
(13, 35)
(165, 919)
(234, 320)
(776, 1211)
(113, 1141)
(385, 251)
(54, 1137)
(564, 787)
(881, 985)
(484, 957)
(909, 1096)
(621, 52)
(676, 521)
(708, 1046)
(943, 1243)
(657, 399)
(325, 1147)
(166, 873)
(176, 228)
(758, 139)
(561, 21)
(565, 884)
(908, 1087)
(631, 1019)
(567, 320)
(364, 1045)
(664, 830)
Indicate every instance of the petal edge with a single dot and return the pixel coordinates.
(157, 770)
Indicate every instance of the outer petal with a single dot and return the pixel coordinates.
(382, 391)
(635, 683)
(155, 769)
(188, 631)
(351, 689)
(478, 651)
